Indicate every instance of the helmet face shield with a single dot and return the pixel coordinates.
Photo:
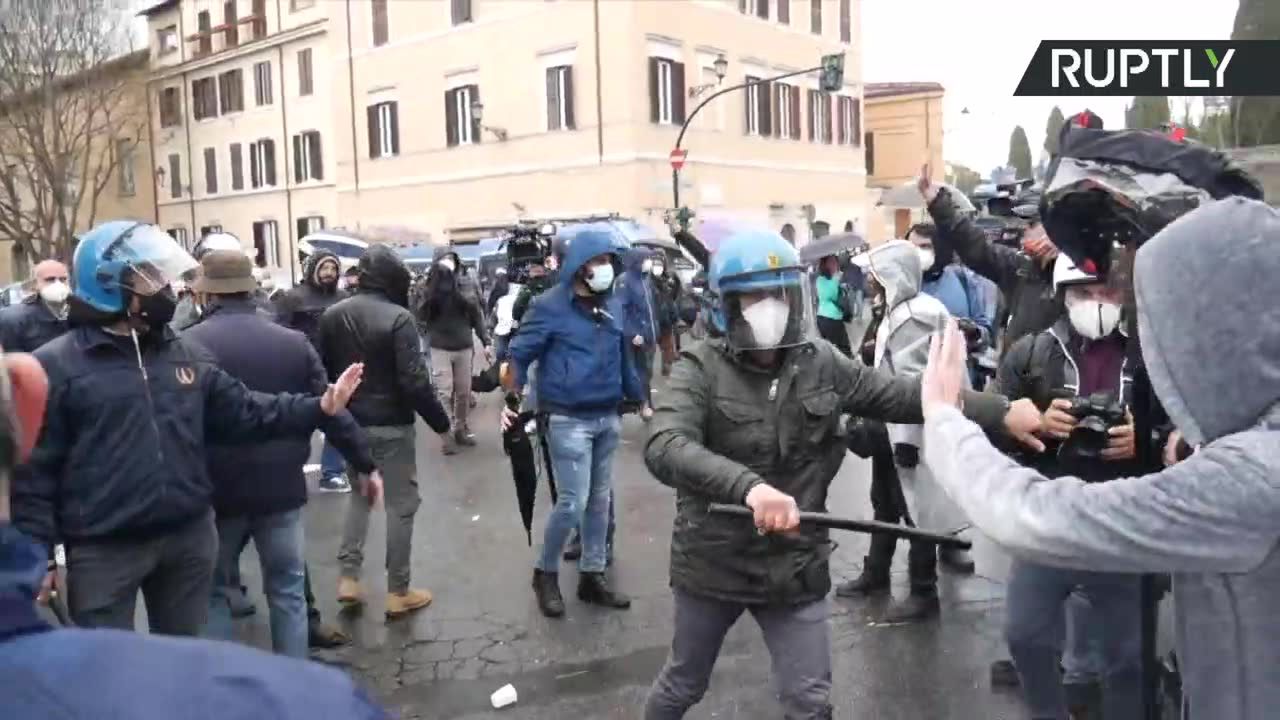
(149, 258)
(768, 310)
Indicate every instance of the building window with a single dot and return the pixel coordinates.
(179, 235)
(759, 8)
(784, 12)
(560, 98)
(232, 33)
(384, 130)
(666, 91)
(308, 163)
(848, 121)
(237, 167)
(203, 26)
(167, 40)
(305, 78)
(379, 9)
(231, 90)
(819, 117)
(789, 233)
(175, 176)
(309, 224)
(869, 147)
(207, 230)
(460, 125)
(259, 10)
(262, 163)
(210, 171)
(170, 108)
(815, 16)
(757, 121)
(262, 83)
(846, 22)
(296, 5)
(266, 241)
(124, 158)
(460, 11)
(204, 98)
(787, 120)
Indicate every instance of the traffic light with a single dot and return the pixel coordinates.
(831, 79)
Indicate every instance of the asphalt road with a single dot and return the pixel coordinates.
(484, 629)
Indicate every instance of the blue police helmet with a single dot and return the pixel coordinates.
(125, 256)
(750, 261)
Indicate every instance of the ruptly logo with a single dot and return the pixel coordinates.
(1095, 67)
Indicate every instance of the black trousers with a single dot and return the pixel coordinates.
(835, 332)
(886, 504)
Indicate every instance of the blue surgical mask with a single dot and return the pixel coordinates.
(601, 278)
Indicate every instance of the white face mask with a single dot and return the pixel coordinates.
(55, 293)
(926, 258)
(601, 278)
(646, 266)
(1091, 318)
(447, 264)
(658, 270)
(768, 321)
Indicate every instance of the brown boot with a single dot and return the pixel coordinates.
(400, 604)
(349, 593)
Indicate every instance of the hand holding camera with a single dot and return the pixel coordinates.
(1057, 421)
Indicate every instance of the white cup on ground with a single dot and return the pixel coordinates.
(503, 696)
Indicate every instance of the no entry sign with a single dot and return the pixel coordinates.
(677, 158)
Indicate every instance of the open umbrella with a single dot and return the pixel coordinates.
(831, 245)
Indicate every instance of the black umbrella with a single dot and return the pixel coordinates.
(831, 245)
(524, 468)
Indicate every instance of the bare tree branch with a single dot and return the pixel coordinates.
(65, 99)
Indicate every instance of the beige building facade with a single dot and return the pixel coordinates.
(458, 117)
(904, 131)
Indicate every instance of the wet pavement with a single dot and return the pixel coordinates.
(484, 630)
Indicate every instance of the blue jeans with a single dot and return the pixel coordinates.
(1082, 658)
(500, 344)
(582, 458)
(279, 540)
(332, 463)
(1034, 629)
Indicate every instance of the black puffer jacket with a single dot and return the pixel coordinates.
(301, 307)
(374, 327)
(1026, 285)
(28, 325)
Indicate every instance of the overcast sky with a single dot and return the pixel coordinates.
(978, 52)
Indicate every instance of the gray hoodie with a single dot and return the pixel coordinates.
(1211, 342)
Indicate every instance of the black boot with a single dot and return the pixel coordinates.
(956, 560)
(874, 580)
(1004, 674)
(592, 588)
(546, 586)
(919, 605)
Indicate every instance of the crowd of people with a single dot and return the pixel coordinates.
(165, 413)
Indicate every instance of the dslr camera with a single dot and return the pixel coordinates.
(1095, 415)
(527, 244)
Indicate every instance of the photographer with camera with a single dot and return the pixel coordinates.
(1213, 519)
(1076, 374)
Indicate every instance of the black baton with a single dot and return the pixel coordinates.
(872, 527)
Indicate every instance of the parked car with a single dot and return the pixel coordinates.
(346, 245)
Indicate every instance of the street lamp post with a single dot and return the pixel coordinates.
(832, 69)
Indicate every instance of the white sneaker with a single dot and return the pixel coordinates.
(336, 484)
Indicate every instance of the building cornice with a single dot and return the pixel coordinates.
(311, 29)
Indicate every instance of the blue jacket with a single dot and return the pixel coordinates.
(28, 325)
(267, 477)
(585, 366)
(73, 674)
(964, 295)
(639, 302)
(122, 452)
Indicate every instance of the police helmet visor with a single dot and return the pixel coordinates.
(150, 259)
(769, 309)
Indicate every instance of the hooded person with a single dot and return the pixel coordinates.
(453, 319)
(640, 318)
(911, 318)
(1212, 519)
(300, 308)
(375, 325)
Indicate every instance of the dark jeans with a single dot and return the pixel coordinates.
(174, 571)
(835, 332)
(279, 540)
(643, 358)
(886, 505)
(799, 648)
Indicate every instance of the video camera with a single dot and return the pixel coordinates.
(527, 245)
(1095, 415)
